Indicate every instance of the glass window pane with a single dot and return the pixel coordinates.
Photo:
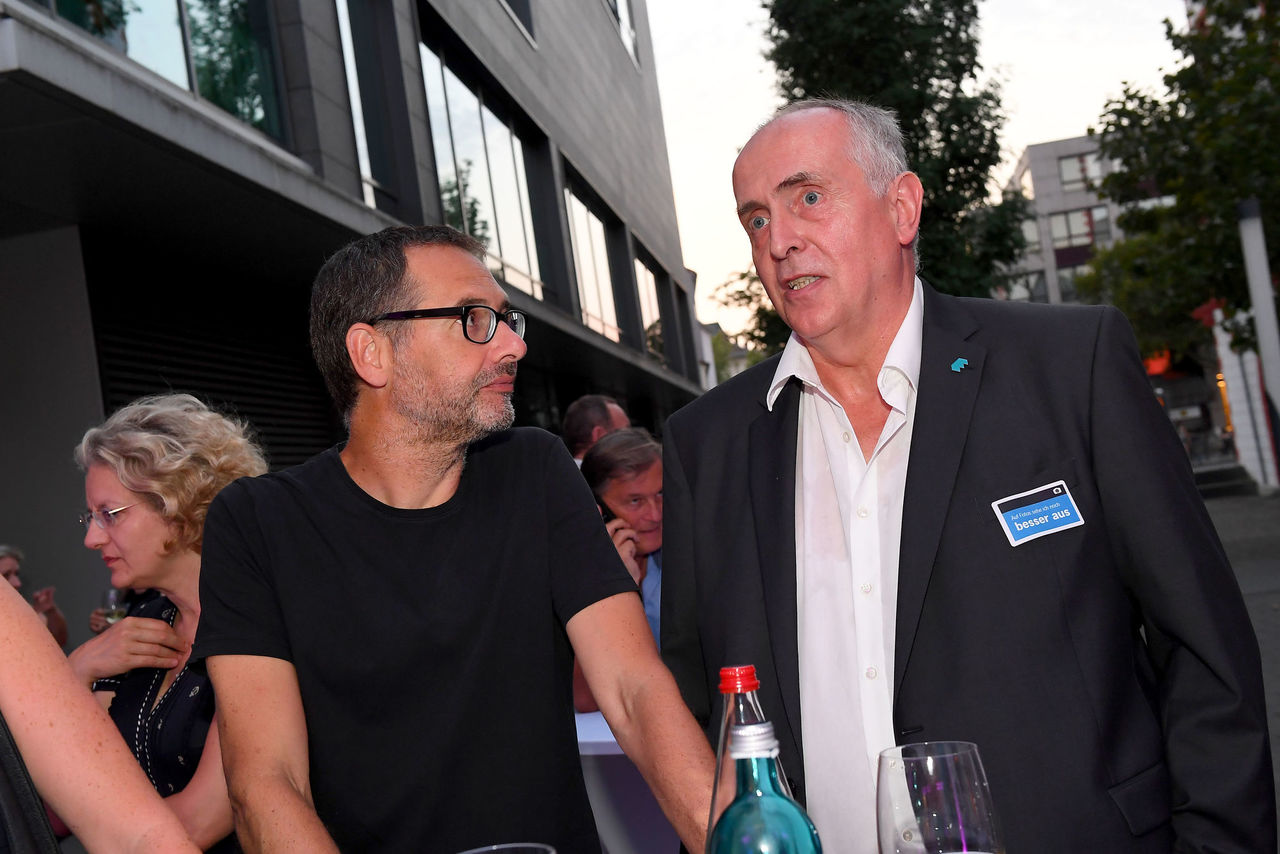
(473, 168)
(506, 192)
(517, 152)
(1058, 225)
(579, 234)
(438, 116)
(232, 56)
(1092, 168)
(153, 37)
(1101, 224)
(650, 316)
(1079, 227)
(1069, 169)
(600, 250)
(1031, 232)
(591, 258)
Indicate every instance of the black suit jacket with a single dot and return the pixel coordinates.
(1108, 673)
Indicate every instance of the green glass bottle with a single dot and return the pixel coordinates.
(761, 819)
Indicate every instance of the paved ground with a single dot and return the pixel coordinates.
(1250, 531)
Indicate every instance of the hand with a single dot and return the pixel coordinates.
(624, 540)
(133, 642)
(42, 601)
(98, 620)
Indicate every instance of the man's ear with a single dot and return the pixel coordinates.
(371, 353)
(907, 196)
(598, 433)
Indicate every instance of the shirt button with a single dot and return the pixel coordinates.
(872, 673)
(863, 512)
(847, 438)
(866, 588)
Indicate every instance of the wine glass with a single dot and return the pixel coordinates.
(513, 848)
(932, 798)
(113, 605)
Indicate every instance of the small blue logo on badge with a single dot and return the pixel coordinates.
(959, 365)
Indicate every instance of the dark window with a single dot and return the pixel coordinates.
(650, 314)
(523, 12)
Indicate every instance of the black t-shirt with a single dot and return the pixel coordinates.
(434, 668)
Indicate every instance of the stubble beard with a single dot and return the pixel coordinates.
(452, 416)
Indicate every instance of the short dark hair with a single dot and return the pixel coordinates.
(360, 281)
(584, 415)
(623, 453)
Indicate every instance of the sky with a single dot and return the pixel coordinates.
(1058, 64)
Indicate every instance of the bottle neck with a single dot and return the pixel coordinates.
(758, 773)
(744, 709)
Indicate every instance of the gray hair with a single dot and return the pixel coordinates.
(874, 135)
(13, 552)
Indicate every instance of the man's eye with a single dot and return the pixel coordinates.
(757, 222)
(811, 197)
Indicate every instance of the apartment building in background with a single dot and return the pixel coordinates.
(174, 173)
(1068, 222)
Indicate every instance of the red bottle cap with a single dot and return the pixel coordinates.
(739, 679)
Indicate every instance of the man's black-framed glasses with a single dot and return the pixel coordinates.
(479, 322)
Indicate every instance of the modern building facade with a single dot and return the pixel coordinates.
(1060, 179)
(174, 172)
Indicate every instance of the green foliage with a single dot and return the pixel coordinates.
(919, 58)
(765, 332)
(1206, 144)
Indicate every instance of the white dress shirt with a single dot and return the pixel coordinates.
(848, 533)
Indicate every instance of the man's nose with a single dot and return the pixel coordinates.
(784, 235)
(508, 343)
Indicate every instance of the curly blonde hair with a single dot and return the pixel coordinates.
(178, 453)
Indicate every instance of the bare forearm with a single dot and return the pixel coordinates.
(206, 818)
(660, 736)
(274, 816)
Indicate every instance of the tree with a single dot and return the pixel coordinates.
(919, 58)
(1199, 149)
(765, 332)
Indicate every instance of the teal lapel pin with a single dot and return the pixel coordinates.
(959, 365)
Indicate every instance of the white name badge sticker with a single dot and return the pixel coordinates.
(1037, 513)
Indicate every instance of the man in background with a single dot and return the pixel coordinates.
(624, 471)
(590, 418)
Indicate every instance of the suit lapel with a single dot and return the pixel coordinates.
(772, 438)
(944, 405)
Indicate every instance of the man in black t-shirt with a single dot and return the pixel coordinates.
(391, 626)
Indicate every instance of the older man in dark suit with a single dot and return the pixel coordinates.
(945, 519)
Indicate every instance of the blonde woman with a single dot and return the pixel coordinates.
(150, 473)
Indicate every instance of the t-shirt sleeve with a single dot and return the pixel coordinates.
(585, 566)
(239, 606)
